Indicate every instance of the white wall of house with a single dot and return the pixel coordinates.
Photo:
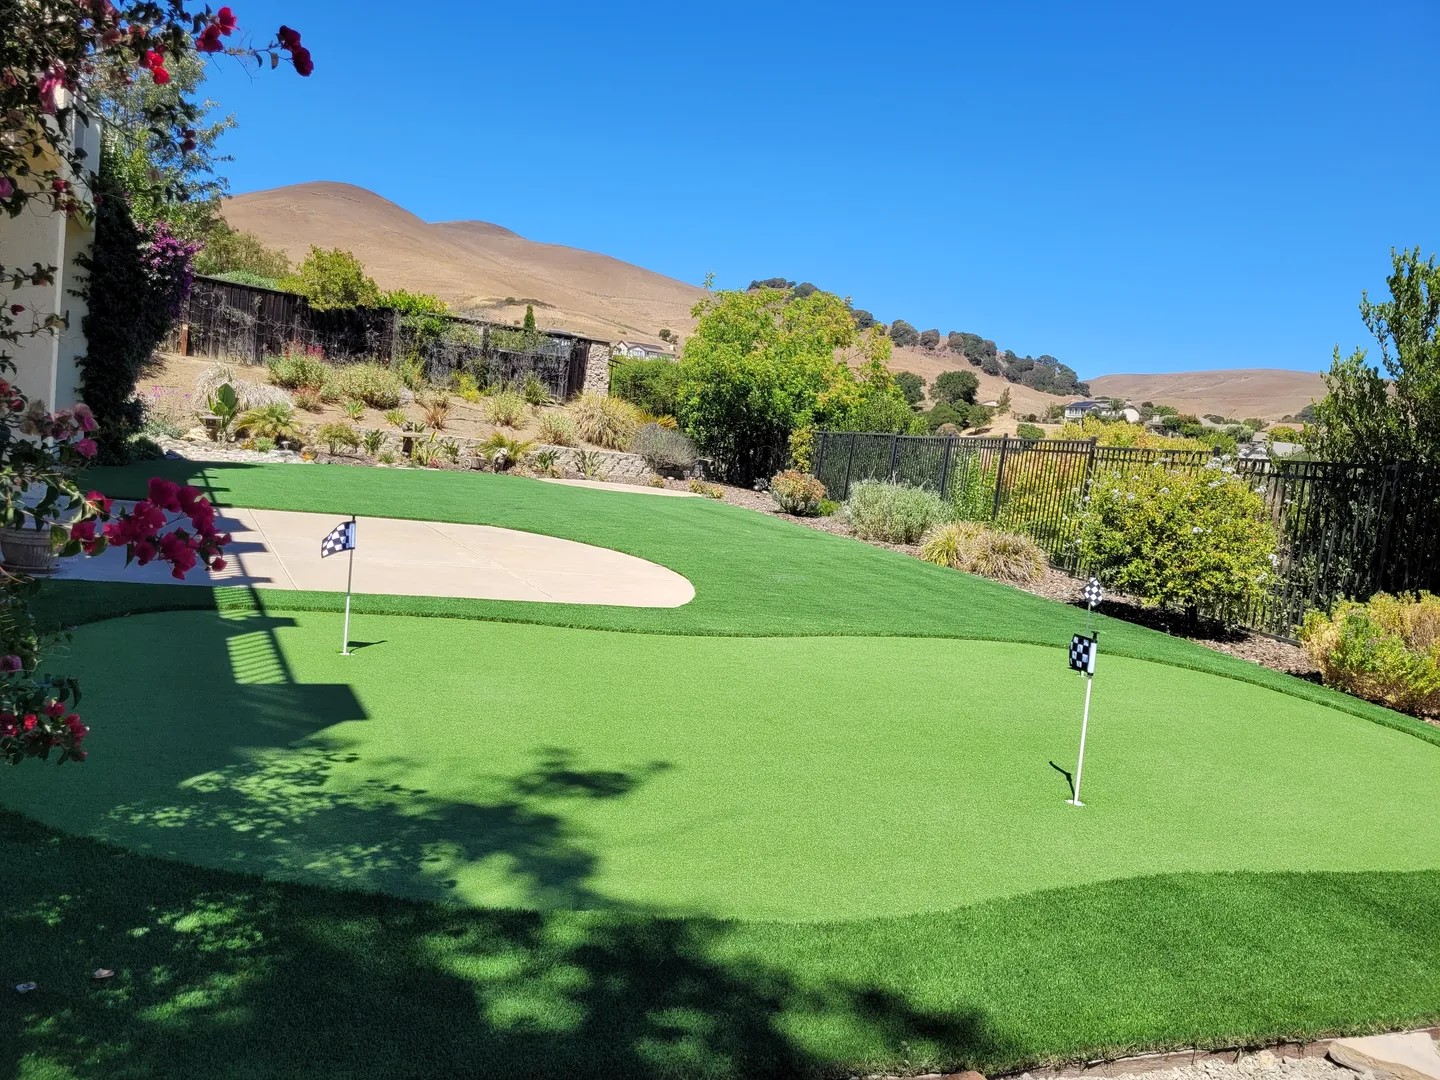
(46, 363)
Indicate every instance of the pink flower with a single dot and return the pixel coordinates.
(11, 663)
(86, 448)
(225, 19)
(163, 493)
(28, 724)
(217, 565)
(209, 39)
(99, 501)
(85, 416)
(54, 710)
(49, 85)
(7, 187)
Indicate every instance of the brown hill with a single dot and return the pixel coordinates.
(491, 271)
(1267, 393)
(474, 265)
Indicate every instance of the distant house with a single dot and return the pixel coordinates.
(644, 350)
(1078, 410)
(1129, 414)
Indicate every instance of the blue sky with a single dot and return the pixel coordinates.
(1127, 186)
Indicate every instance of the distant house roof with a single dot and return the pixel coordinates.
(1087, 406)
(648, 346)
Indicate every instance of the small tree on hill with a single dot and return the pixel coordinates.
(955, 387)
(1002, 405)
(903, 334)
(930, 339)
(529, 324)
(664, 333)
(911, 385)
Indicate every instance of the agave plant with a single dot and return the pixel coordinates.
(504, 452)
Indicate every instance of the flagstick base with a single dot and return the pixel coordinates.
(1074, 802)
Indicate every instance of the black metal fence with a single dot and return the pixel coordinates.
(247, 323)
(1344, 529)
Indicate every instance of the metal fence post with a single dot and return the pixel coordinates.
(945, 466)
(849, 464)
(894, 453)
(820, 453)
(1000, 475)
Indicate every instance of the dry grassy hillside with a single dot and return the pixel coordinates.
(471, 264)
(928, 364)
(1267, 393)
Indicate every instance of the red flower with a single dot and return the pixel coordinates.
(225, 19)
(15, 309)
(86, 448)
(160, 75)
(54, 710)
(28, 724)
(217, 565)
(99, 501)
(289, 39)
(209, 39)
(301, 58)
(163, 493)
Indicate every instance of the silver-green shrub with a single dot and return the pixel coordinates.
(893, 513)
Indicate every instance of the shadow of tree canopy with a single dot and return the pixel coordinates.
(229, 976)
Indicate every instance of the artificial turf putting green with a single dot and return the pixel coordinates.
(772, 778)
(230, 975)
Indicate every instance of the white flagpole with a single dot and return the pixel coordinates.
(1084, 724)
(350, 576)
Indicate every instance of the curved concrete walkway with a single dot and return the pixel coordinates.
(280, 549)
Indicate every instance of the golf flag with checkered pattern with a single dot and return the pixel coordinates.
(342, 538)
(1083, 649)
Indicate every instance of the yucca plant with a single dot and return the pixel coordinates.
(373, 440)
(545, 462)
(436, 410)
(395, 417)
(354, 410)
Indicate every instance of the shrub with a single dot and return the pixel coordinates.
(797, 493)
(467, 388)
(534, 391)
(354, 409)
(506, 408)
(649, 384)
(275, 421)
(1187, 541)
(1282, 433)
(545, 462)
(264, 444)
(557, 429)
(299, 365)
(964, 545)
(309, 398)
(664, 449)
(395, 417)
(374, 384)
(1029, 431)
(603, 420)
(1385, 650)
(332, 279)
(337, 436)
(436, 410)
(893, 513)
(955, 387)
(710, 491)
(373, 441)
(504, 452)
(902, 333)
(249, 395)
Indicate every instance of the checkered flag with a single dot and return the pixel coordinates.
(1092, 592)
(1082, 654)
(341, 538)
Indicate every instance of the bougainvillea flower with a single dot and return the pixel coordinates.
(226, 21)
(289, 39)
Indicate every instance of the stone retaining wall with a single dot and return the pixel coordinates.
(610, 464)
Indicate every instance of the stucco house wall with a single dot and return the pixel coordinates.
(47, 363)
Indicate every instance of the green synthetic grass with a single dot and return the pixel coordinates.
(824, 733)
(758, 778)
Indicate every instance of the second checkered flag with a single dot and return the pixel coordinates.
(1082, 654)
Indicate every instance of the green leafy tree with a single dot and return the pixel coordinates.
(903, 334)
(650, 384)
(529, 324)
(333, 279)
(230, 251)
(930, 339)
(177, 183)
(1002, 404)
(763, 364)
(911, 385)
(1390, 413)
(955, 387)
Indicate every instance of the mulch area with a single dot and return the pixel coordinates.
(1282, 656)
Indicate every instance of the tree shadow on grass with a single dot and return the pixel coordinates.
(226, 976)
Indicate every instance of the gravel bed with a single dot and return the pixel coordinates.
(1263, 1065)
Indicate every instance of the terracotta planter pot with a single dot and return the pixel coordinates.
(28, 551)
